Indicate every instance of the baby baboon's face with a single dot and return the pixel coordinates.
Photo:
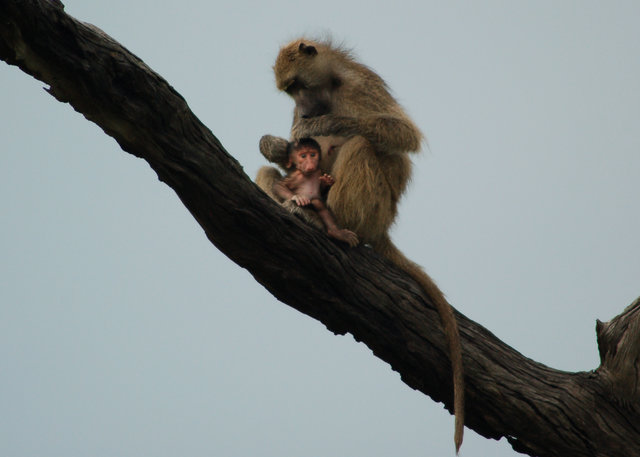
(306, 159)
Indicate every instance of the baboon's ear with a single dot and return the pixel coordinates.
(308, 50)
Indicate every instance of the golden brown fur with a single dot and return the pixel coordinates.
(365, 136)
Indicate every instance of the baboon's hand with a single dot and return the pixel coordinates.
(324, 125)
(274, 149)
(327, 180)
(300, 200)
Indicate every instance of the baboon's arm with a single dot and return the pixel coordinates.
(386, 133)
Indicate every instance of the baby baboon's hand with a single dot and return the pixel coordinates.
(300, 200)
(327, 180)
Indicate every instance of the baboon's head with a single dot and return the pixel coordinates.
(303, 70)
(304, 155)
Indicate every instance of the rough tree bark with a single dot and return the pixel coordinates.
(541, 411)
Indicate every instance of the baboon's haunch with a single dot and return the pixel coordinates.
(365, 137)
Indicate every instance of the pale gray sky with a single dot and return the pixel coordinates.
(123, 332)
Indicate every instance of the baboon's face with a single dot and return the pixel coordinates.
(300, 72)
(306, 159)
(310, 101)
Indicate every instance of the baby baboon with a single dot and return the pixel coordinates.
(365, 136)
(304, 185)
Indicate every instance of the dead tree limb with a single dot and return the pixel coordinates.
(541, 411)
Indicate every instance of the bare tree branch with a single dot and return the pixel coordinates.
(619, 346)
(541, 411)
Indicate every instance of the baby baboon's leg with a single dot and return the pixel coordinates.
(267, 177)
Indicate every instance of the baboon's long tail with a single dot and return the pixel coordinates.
(449, 324)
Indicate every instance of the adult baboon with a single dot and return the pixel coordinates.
(365, 136)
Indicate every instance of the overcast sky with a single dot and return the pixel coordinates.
(124, 332)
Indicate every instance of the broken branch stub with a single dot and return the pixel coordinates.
(619, 347)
